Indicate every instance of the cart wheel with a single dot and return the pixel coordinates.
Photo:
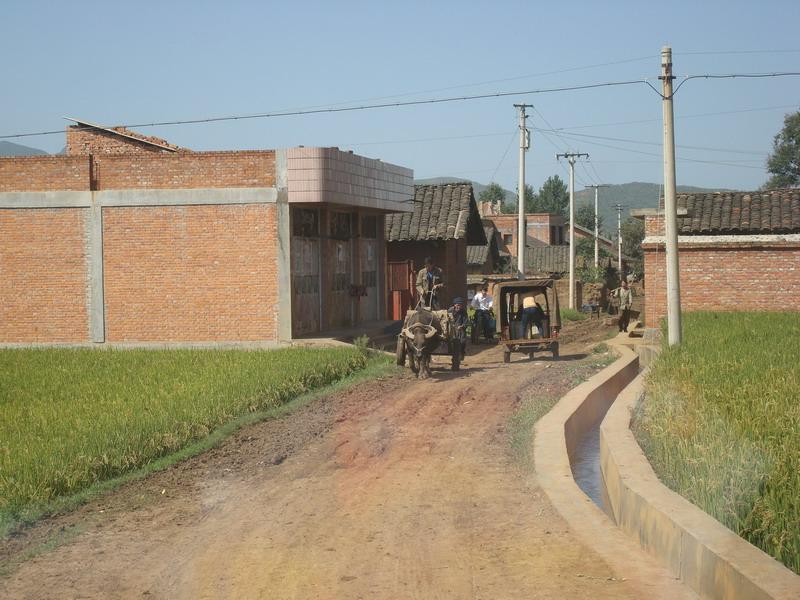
(506, 356)
(555, 350)
(456, 364)
(401, 351)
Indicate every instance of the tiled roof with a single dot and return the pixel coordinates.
(441, 212)
(547, 259)
(774, 211)
(479, 254)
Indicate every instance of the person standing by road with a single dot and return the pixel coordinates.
(482, 303)
(625, 296)
(430, 282)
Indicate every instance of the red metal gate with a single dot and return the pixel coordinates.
(400, 279)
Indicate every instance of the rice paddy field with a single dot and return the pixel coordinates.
(720, 424)
(70, 418)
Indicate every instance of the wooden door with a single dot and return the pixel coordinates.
(400, 277)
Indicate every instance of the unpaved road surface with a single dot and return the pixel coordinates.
(396, 488)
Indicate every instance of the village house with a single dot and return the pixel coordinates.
(443, 222)
(737, 251)
(130, 239)
(549, 228)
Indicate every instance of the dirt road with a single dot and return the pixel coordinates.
(396, 488)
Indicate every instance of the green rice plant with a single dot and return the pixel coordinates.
(70, 418)
(720, 424)
(570, 314)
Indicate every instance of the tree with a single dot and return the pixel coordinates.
(552, 197)
(494, 194)
(784, 162)
(530, 202)
(632, 236)
(584, 216)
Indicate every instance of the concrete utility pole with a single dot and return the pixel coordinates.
(571, 158)
(619, 208)
(596, 187)
(670, 203)
(524, 144)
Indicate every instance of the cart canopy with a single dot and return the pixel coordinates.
(507, 294)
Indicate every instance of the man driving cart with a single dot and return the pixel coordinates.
(430, 282)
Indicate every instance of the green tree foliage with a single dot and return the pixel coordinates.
(530, 202)
(784, 162)
(552, 197)
(584, 216)
(632, 236)
(494, 194)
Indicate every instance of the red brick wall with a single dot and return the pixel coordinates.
(725, 279)
(653, 225)
(44, 173)
(81, 141)
(145, 171)
(186, 170)
(43, 275)
(196, 273)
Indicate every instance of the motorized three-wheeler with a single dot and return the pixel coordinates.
(509, 297)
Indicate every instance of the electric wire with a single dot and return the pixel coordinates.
(330, 109)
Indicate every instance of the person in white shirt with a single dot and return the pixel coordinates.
(482, 303)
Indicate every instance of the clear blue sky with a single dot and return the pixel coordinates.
(115, 62)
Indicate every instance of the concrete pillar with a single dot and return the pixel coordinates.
(282, 213)
(97, 317)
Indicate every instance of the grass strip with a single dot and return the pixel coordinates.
(571, 314)
(77, 422)
(720, 424)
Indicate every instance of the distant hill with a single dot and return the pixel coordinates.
(10, 149)
(632, 195)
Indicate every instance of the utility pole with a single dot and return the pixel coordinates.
(571, 158)
(524, 144)
(596, 225)
(670, 203)
(619, 208)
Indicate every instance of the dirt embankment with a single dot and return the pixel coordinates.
(396, 488)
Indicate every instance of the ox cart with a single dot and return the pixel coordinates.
(425, 333)
(510, 299)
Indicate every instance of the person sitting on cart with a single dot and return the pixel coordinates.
(482, 303)
(458, 315)
(430, 282)
(532, 314)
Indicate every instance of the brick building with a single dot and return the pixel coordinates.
(128, 238)
(444, 221)
(737, 251)
(548, 228)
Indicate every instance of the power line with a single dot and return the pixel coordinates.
(730, 76)
(502, 160)
(414, 102)
(682, 159)
(629, 141)
(350, 108)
